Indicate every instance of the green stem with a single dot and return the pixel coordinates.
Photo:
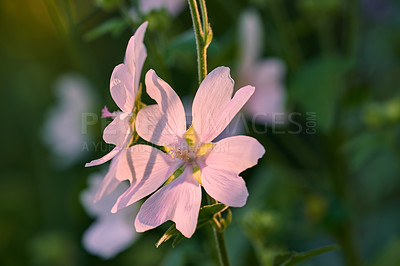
(204, 17)
(203, 39)
(221, 248)
(200, 38)
(219, 240)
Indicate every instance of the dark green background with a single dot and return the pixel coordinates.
(340, 185)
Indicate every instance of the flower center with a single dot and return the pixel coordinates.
(183, 152)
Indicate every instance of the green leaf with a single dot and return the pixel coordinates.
(113, 26)
(293, 258)
(206, 214)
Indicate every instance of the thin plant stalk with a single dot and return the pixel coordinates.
(203, 36)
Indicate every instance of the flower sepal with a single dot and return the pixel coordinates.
(136, 108)
(138, 100)
(208, 213)
(220, 223)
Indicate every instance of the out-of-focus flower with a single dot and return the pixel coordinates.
(172, 6)
(124, 85)
(62, 130)
(189, 152)
(111, 233)
(266, 74)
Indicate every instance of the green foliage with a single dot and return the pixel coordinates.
(318, 86)
(260, 224)
(293, 258)
(108, 4)
(114, 26)
(52, 248)
(382, 114)
(319, 8)
(389, 254)
(159, 20)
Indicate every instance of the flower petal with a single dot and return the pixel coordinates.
(120, 170)
(151, 168)
(119, 131)
(105, 158)
(235, 154)
(226, 114)
(109, 182)
(152, 125)
(163, 123)
(213, 94)
(136, 54)
(224, 186)
(213, 107)
(229, 112)
(221, 166)
(121, 88)
(178, 201)
(237, 126)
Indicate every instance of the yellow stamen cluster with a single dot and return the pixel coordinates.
(188, 152)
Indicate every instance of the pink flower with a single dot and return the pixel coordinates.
(214, 166)
(266, 74)
(110, 233)
(124, 85)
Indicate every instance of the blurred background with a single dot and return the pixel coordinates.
(327, 75)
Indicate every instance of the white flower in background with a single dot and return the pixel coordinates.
(172, 6)
(111, 233)
(265, 74)
(62, 129)
(267, 105)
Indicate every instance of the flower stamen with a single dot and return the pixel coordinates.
(182, 151)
